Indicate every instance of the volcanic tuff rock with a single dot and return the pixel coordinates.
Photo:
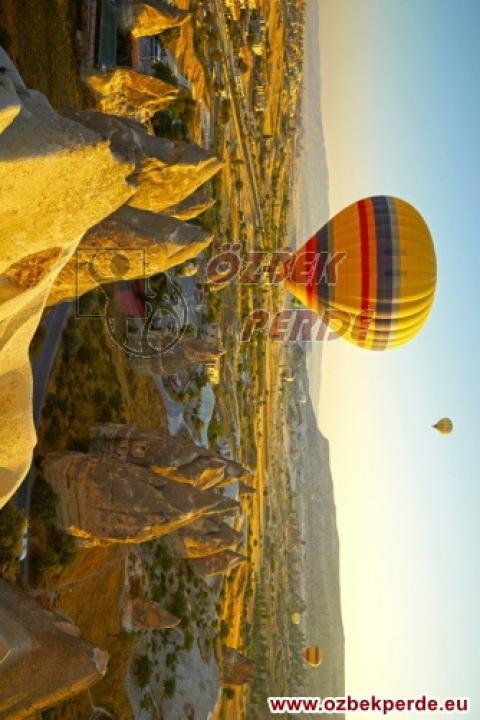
(170, 171)
(145, 244)
(10, 104)
(143, 19)
(166, 171)
(123, 91)
(141, 614)
(175, 457)
(43, 661)
(103, 500)
(218, 564)
(189, 351)
(57, 179)
(193, 206)
(204, 537)
(236, 668)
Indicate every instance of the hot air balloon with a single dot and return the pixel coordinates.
(444, 426)
(314, 655)
(372, 268)
(296, 618)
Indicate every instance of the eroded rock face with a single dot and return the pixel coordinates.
(189, 351)
(170, 171)
(57, 179)
(104, 500)
(204, 537)
(166, 171)
(150, 243)
(141, 614)
(219, 564)
(175, 457)
(237, 669)
(10, 104)
(143, 19)
(123, 91)
(193, 206)
(42, 658)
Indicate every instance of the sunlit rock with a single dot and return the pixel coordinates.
(123, 91)
(143, 19)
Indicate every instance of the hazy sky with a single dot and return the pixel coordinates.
(401, 113)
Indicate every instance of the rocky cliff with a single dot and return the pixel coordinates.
(218, 564)
(103, 500)
(237, 669)
(204, 537)
(145, 243)
(123, 91)
(42, 658)
(57, 179)
(166, 171)
(144, 19)
(175, 457)
(193, 206)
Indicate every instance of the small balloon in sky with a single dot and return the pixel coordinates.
(372, 270)
(444, 426)
(296, 618)
(314, 655)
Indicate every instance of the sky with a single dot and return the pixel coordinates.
(400, 108)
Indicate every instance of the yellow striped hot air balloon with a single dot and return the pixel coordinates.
(444, 426)
(314, 655)
(296, 618)
(372, 269)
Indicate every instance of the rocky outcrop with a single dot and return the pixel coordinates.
(123, 91)
(57, 179)
(190, 351)
(10, 71)
(197, 203)
(175, 457)
(147, 243)
(166, 171)
(141, 614)
(143, 19)
(42, 658)
(219, 564)
(10, 104)
(170, 171)
(237, 669)
(204, 537)
(103, 500)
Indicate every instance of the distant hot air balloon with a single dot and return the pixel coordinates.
(380, 276)
(314, 655)
(296, 618)
(444, 426)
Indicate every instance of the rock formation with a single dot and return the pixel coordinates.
(190, 351)
(170, 171)
(193, 206)
(141, 614)
(236, 668)
(123, 91)
(42, 659)
(175, 457)
(166, 171)
(10, 104)
(103, 500)
(143, 19)
(219, 564)
(57, 179)
(149, 243)
(204, 537)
